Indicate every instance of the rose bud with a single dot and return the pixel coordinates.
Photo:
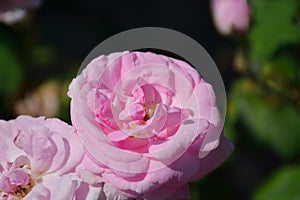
(230, 15)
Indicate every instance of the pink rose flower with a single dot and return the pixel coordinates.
(230, 15)
(149, 124)
(38, 159)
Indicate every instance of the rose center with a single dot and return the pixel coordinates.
(149, 110)
(16, 182)
(23, 190)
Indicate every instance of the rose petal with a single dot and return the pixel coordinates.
(113, 194)
(8, 151)
(61, 187)
(112, 154)
(169, 193)
(171, 150)
(89, 192)
(215, 157)
(39, 192)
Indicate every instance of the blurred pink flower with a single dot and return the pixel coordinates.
(6, 5)
(42, 101)
(149, 124)
(12, 11)
(11, 17)
(37, 161)
(230, 15)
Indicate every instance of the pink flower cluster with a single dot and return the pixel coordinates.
(144, 126)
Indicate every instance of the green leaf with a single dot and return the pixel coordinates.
(10, 70)
(273, 26)
(64, 110)
(41, 55)
(231, 119)
(285, 184)
(279, 73)
(274, 123)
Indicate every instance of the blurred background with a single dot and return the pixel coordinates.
(255, 44)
